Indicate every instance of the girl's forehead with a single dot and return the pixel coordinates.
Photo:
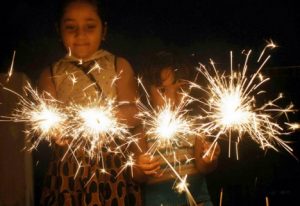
(80, 10)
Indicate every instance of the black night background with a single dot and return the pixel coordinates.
(207, 29)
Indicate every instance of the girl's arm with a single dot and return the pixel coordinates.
(126, 92)
(46, 84)
(145, 165)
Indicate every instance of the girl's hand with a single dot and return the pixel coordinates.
(206, 155)
(148, 164)
(210, 152)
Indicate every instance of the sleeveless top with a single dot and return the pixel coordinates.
(78, 82)
(101, 66)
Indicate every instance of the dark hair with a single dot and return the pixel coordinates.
(182, 65)
(95, 3)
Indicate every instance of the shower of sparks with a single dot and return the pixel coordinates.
(41, 114)
(95, 126)
(92, 129)
(168, 126)
(231, 107)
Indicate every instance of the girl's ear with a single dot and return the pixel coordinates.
(104, 32)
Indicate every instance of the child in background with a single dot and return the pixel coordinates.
(164, 81)
(82, 29)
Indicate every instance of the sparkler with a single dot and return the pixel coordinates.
(167, 127)
(41, 113)
(92, 128)
(231, 106)
(95, 126)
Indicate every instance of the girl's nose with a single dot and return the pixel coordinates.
(80, 32)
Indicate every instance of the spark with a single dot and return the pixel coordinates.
(293, 126)
(271, 45)
(116, 78)
(221, 197)
(72, 78)
(10, 71)
(96, 66)
(130, 163)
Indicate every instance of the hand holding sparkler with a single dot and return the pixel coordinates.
(206, 155)
(148, 164)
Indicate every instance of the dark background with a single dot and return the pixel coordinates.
(207, 29)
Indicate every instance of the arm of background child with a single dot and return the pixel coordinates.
(156, 97)
(126, 92)
(145, 165)
(206, 164)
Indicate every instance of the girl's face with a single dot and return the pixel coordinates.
(81, 29)
(167, 76)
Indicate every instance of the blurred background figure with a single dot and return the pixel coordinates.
(16, 176)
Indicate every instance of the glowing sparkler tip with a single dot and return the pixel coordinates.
(182, 185)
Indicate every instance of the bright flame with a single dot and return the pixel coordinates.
(231, 112)
(96, 120)
(231, 107)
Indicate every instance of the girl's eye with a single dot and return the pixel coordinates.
(70, 27)
(91, 26)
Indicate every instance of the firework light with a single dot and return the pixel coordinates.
(95, 126)
(42, 115)
(92, 128)
(231, 108)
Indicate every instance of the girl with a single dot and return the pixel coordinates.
(164, 73)
(82, 30)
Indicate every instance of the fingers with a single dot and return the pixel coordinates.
(148, 165)
(211, 151)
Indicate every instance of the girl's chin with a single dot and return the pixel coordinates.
(82, 56)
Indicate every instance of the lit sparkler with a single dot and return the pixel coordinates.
(232, 108)
(95, 126)
(41, 113)
(169, 125)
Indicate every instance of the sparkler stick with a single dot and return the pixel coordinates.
(221, 197)
(267, 201)
(182, 185)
